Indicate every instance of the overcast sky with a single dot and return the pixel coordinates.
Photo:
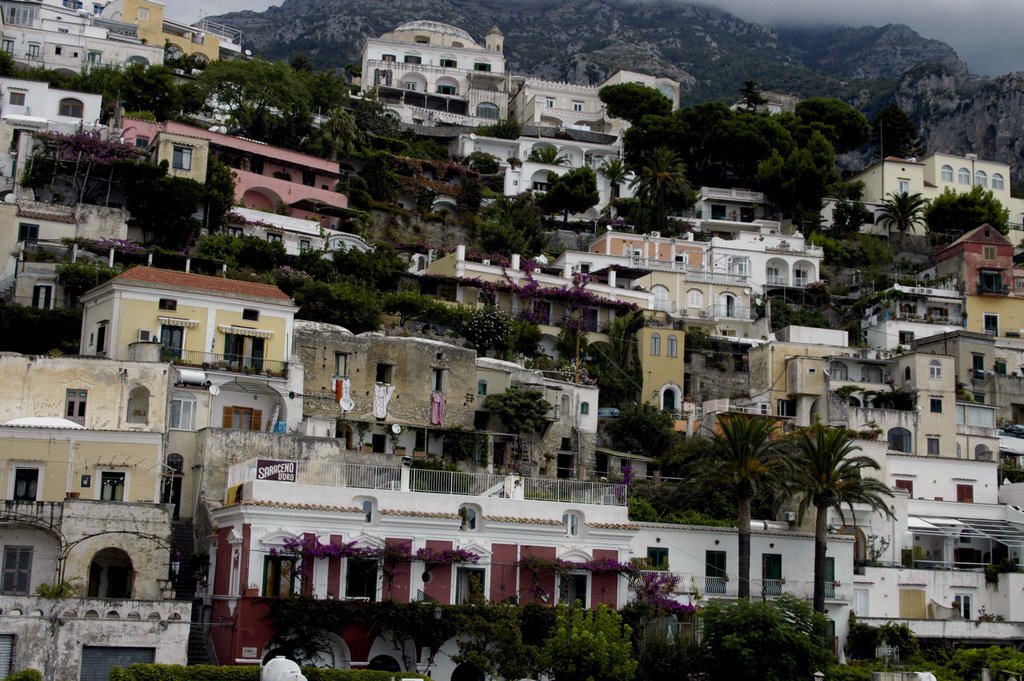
(987, 34)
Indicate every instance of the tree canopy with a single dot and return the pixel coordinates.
(571, 192)
(953, 213)
(632, 101)
(893, 133)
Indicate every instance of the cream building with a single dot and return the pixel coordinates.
(204, 41)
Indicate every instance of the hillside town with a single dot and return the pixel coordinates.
(426, 368)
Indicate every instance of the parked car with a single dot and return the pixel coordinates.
(608, 413)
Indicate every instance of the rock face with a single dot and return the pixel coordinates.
(709, 51)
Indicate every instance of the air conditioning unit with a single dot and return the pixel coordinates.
(656, 235)
(704, 313)
(790, 516)
(145, 336)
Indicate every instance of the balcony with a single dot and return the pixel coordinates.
(728, 312)
(731, 194)
(46, 515)
(992, 288)
(771, 587)
(238, 364)
(715, 585)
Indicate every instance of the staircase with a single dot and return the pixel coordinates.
(199, 637)
(183, 548)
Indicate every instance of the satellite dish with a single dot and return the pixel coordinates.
(346, 403)
(215, 390)
(10, 198)
(396, 429)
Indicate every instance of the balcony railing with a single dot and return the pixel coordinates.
(726, 193)
(778, 281)
(830, 589)
(729, 312)
(240, 364)
(715, 585)
(771, 587)
(995, 289)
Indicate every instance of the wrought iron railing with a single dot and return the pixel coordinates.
(715, 585)
(241, 364)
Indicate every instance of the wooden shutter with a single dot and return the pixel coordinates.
(257, 420)
(228, 415)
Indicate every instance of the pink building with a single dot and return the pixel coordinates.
(266, 177)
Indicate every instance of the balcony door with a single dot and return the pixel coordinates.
(715, 573)
(172, 338)
(244, 351)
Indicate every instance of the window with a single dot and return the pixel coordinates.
(577, 105)
(657, 557)
(946, 173)
(379, 443)
(584, 408)
(387, 57)
(168, 304)
(71, 107)
(17, 99)
(438, 381)
(412, 59)
(785, 407)
(278, 576)
(447, 90)
(899, 440)
(935, 369)
(469, 585)
(572, 524)
(75, 409)
(963, 176)
(341, 363)
(673, 346)
(361, 579)
(304, 245)
(182, 158)
(17, 570)
(655, 344)
(933, 446)
(251, 315)
(367, 507)
(449, 63)
(936, 405)
(94, 57)
(480, 66)
(183, 411)
(7, 46)
(112, 485)
(242, 418)
(26, 483)
(573, 589)
(549, 103)
(906, 485)
(904, 186)
(694, 299)
(25, 16)
(487, 110)
(143, 14)
(977, 365)
(989, 252)
(715, 575)
(468, 516)
(410, 85)
(384, 373)
(42, 296)
(27, 232)
(992, 324)
(965, 494)
(838, 371)
(962, 602)
(998, 182)
(481, 388)
(981, 178)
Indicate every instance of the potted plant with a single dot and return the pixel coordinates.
(252, 590)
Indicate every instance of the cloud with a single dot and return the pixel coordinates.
(984, 33)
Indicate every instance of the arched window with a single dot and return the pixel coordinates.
(468, 515)
(899, 440)
(172, 52)
(669, 401)
(111, 574)
(870, 374)
(695, 298)
(673, 346)
(183, 411)
(71, 107)
(727, 308)
(906, 373)
(584, 408)
(367, 507)
(997, 181)
(947, 173)
(935, 369)
(661, 301)
(138, 405)
(656, 345)
(487, 110)
(838, 371)
(981, 178)
(572, 524)
(982, 453)
(963, 176)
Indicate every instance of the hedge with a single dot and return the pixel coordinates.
(26, 675)
(202, 672)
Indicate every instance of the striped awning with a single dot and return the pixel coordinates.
(244, 331)
(175, 321)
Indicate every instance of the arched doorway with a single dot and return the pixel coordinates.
(111, 574)
(331, 652)
(670, 398)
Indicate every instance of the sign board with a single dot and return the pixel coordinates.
(269, 469)
(250, 652)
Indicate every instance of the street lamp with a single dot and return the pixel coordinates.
(819, 676)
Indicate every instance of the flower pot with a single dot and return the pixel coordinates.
(73, 495)
(252, 592)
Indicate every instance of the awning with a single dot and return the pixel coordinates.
(244, 331)
(174, 321)
(1002, 531)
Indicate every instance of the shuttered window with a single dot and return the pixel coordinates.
(242, 418)
(17, 570)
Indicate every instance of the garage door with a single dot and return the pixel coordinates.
(98, 661)
(6, 651)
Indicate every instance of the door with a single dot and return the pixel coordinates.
(860, 602)
(172, 338)
(771, 574)
(99, 661)
(715, 575)
(830, 578)
(6, 654)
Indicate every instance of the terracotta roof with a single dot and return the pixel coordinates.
(52, 217)
(972, 234)
(202, 282)
(304, 507)
(418, 514)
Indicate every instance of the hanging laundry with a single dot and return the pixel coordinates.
(437, 402)
(381, 398)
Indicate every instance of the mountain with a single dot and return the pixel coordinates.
(709, 51)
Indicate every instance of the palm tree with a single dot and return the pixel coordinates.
(661, 180)
(825, 469)
(903, 210)
(340, 133)
(614, 169)
(547, 155)
(748, 461)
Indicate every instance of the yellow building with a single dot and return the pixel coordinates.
(1000, 316)
(186, 156)
(179, 40)
(661, 364)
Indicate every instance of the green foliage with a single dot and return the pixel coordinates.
(903, 211)
(170, 672)
(893, 133)
(589, 645)
(413, 305)
(632, 101)
(508, 129)
(661, 183)
(57, 591)
(25, 674)
(484, 163)
(642, 429)
(33, 331)
(487, 329)
(346, 303)
(381, 181)
(164, 206)
(968, 662)
(843, 126)
(775, 641)
(219, 192)
(520, 410)
(784, 314)
(547, 155)
(798, 181)
(82, 276)
(571, 192)
(248, 252)
(751, 97)
(492, 642)
(524, 338)
(952, 213)
(379, 268)
(863, 639)
(512, 225)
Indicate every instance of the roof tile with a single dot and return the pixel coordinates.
(202, 282)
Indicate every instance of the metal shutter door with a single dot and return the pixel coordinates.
(6, 651)
(98, 661)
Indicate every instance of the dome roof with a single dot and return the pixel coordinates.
(436, 27)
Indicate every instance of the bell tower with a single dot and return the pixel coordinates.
(495, 40)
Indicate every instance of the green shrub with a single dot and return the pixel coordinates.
(26, 675)
(171, 672)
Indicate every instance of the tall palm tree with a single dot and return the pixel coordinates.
(548, 155)
(749, 461)
(340, 133)
(661, 181)
(827, 471)
(615, 170)
(902, 210)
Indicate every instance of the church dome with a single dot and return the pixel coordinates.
(437, 28)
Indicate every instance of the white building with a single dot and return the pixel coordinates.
(904, 314)
(296, 234)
